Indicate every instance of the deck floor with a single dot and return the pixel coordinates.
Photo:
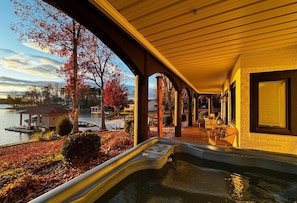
(193, 134)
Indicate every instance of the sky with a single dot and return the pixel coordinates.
(22, 65)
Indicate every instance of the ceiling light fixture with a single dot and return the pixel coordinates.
(194, 12)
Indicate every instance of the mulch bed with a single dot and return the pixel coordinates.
(31, 169)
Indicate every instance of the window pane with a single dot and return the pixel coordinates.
(272, 104)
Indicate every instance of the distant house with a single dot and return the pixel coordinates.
(95, 110)
(152, 105)
(45, 117)
(130, 108)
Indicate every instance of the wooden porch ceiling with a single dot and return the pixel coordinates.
(201, 40)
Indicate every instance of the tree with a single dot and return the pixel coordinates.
(89, 97)
(52, 30)
(185, 99)
(99, 67)
(14, 100)
(116, 94)
(168, 94)
(32, 96)
(10, 100)
(46, 94)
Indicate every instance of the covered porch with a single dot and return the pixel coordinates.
(207, 47)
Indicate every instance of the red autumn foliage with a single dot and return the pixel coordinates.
(51, 30)
(116, 94)
(31, 169)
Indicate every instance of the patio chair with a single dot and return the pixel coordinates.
(231, 135)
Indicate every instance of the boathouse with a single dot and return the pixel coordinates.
(46, 117)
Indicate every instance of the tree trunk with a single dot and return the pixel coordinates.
(75, 91)
(103, 127)
(170, 106)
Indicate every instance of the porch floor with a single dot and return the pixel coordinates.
(195, 135)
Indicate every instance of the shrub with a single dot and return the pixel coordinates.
(50, 135)
(39, 136)
(64, 126)
(36, 136)
(129, 126)
(81, 148)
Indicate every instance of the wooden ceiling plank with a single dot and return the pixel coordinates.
(209, 56)
(230, 40)
(188, 18)
(182, 8)
(144, 8)
(228, 31)
(119, 5)
(236, 19)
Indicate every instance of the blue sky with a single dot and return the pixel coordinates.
(21, 64)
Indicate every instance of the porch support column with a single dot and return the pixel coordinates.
(195, 109)
(209, 105)
(177, 113)
(140, 109)
(136, 102)
(190, 111)
(159, 106)
(198, 104)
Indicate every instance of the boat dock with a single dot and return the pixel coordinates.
(20, 129)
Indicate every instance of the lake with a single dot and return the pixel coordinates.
(10, 118)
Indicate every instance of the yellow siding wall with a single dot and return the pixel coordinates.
(271, 60)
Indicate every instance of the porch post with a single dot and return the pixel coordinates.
(190, 111)
(141, 109)
(209, 105)
(195, 109)
(177, 113)
(175, 108)
(135, 112)
(159, 106)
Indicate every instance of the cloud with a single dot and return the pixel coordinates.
(6, 51)
(128, 76)
(8, 81)
(30, 64)
(34, 46)
(12, 86)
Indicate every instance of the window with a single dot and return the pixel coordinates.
(273, 102)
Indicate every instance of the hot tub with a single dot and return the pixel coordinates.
(164, 170)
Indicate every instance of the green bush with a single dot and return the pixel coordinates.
(129, 126)
(64, 126)
(81, 148)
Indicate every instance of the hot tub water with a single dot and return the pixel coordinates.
(191, 179)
